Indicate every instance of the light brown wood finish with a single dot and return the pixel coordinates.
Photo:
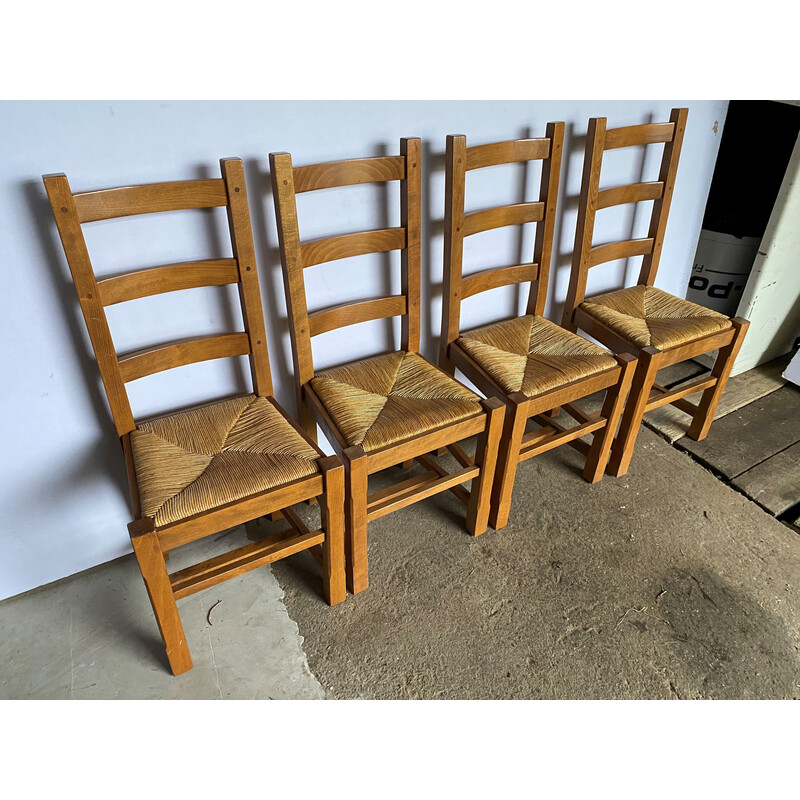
(643, 396)
(296, 257)
(150, 542)
(513, 447)
(149, 198)
(328, 319)
(169, 278)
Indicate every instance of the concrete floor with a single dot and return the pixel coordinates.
(666, 583)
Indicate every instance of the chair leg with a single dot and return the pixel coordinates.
(357, 567)
(333, 572)
(156, 580)
(707, 407)
(480, 495)
(510, 443)
(643, 380)
(613, 405)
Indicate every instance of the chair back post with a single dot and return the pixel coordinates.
(80, 266)
(410, 219)
(548, 194)
(289, 181)
(598, 139)
(71, 210)
(249, 292)
(459, 159)
(667, 174)
(584, 226)
(455, 176)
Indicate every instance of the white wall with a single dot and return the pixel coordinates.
(64, 504)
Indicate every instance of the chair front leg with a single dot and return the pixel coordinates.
(643, 380)
(480, 495)
(159, 589)
(333, 571)
(510, 443)
(613, 405)
(707, 407)
(357, 567)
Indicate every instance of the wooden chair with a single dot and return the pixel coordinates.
(530, 363)
(395, 407)
(202, 470)
(656, 327)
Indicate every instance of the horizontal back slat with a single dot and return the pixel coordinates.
(169, 278)
(517, 214)
(632, 135)
(497, 277)
(352, 244)
(352, 313)
(348, 173)
(631, 193)
(626, 249)
(149, 198)
(180, 354)
(490, 155)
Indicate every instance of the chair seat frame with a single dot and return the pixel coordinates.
(152, 542)
(645, 394)
(360, 506)
(516, 445)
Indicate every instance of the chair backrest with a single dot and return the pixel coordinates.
(458, 161)
(593, 198)
(289, 181)
(73, 210)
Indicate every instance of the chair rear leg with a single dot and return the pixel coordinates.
(357, 566)
(333, 571)
(510, 443)
(643, 379)
(707, 407)
(480, 496)
(613, 405)
(156, 580)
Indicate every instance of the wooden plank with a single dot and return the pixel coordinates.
(243, 559)
(633, 135)
(502, 216)
(327, 319)
(149, 198)
(410, 256)
(169, 278)
(421, 489)
(495, 278)
(746, 437)
(490, 155)
(774, 483)
(630, 193)
(135, 366)
(627, 249)
(348, 245)
(348, 173)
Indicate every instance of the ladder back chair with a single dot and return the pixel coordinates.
(392, 408)
(658, 328)
(202, 470)
(531, 364)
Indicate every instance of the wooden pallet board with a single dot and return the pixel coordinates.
(754, 433)
(774, 483)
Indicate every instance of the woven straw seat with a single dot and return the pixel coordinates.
(390, 398)
(644, 315)
(532, 355)
(197, 460)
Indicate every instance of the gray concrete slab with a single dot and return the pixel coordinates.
(665, 583)
(93, 636)
(774, 483)
(750, 435)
